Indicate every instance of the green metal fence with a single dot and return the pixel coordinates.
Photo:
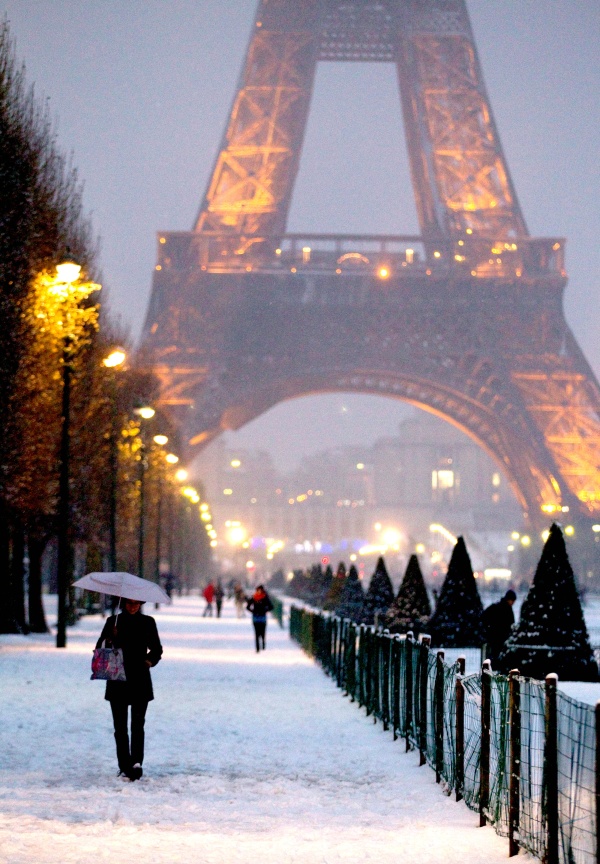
(277, 611)
(521, 754)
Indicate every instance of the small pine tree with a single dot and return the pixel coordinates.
(319, 583)
(551, 635)
(314, 585)
(335, 589)
(352, 597)
(458, 618)
(325, 580)
(411, 609)
(379, 597)
(299, 585)
(277, 582)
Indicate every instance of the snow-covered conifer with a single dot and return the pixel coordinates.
(457, 620)
(352, 597)
(551, 635)
(411, 609)
(379, 597)
(335, 589)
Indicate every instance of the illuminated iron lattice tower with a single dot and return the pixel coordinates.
(464, 320)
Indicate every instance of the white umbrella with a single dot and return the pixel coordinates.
(123, 585)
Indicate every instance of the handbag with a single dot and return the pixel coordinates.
(107, 663)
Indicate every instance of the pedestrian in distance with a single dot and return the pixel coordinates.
(169, 584)
(498, 620)
(209, 596)
(137, 636)
(219, 594)
(240, 599)
(259, 604)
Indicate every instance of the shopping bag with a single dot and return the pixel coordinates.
(107, 664)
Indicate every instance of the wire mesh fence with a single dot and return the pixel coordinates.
(521, 754)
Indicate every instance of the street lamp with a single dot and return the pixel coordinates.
(145, 412)
(114, 360)
(161, 440)
(64, 287)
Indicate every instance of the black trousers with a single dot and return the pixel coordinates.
(260, 628)
(127, 757)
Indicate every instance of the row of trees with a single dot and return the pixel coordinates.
(342, 593)
(52, 329)
(551, 635)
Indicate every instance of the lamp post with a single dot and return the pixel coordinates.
(145, 413)
(114, 360)
(67, 274)
(161, 440)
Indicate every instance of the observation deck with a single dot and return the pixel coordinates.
(386, 257)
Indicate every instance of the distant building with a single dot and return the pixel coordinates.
(350, 498)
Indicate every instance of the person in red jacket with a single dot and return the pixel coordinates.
(209, 596)
(259, 604)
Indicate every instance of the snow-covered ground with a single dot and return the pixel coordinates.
(250, 759)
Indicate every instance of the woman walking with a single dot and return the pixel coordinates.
(137, 636)
(259, 604)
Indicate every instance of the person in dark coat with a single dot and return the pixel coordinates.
(219, 594)
(259, 604)
(498, 620)
(137, 636)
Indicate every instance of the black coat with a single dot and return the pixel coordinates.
(498, 620)
(138, 637)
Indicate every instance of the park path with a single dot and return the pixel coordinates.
(249, 758)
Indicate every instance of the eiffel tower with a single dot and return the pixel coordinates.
(464, 320)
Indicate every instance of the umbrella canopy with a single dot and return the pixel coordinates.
(123, 585)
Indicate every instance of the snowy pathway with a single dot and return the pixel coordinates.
(250, 759)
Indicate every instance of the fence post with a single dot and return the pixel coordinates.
(439, 716)
(362, 657)
(386, 643)
(597, 782)
(340, 652)
(368, 668)
(375, 674)
(409, 685)
(423, 658)
(551, 770)
(335, 650)
(350, 660)
(514, 713)
(484, 759)
(396, 654)
(460, 729)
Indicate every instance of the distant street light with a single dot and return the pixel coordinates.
(145, 412)
(114, 360)
(160, 440)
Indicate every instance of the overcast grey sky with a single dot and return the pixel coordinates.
(142, 89)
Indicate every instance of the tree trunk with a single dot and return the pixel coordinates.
(8, 620)
(37, 617)
(18, 575)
